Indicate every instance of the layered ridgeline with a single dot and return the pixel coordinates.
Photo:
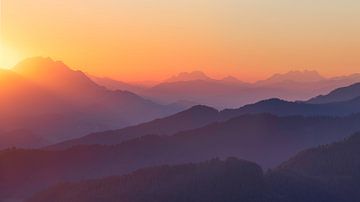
(335, 166)
(55, 102)
(229, 92)
(200, 116)
(338, 95)
(265, 139)
(326, 173)
(231, 180)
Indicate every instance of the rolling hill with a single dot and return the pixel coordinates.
(230, 180)
(265, 139)
(325, 173)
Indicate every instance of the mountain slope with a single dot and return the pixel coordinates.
(192, 118)
(337, 159)
(200, 116)
(47, 97)
(112, 84)
(338, 95)
(335, 165)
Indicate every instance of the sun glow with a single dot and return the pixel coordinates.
(8, 56)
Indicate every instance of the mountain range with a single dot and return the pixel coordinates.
(45, 102)
(47, 97)
(325, 173)
(265, 139)
(200, 116)
(230, 92)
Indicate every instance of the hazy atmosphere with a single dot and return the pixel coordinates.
(179, 101)
(154, 39)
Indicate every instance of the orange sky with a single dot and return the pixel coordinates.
(135, 40)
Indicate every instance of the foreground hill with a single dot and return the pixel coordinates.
(47, 97)
(326, 173)
(231, 180)
(340, 159)
(215, 180)
(265, 139)
(334, 165)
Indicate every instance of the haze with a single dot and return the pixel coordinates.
(151, 40)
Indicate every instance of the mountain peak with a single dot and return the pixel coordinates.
(295, 76)
(40, 65)
(230, 79)
(203, 108)
(189, 76)
(55, 75)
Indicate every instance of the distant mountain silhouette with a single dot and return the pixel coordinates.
(231, 79)
(265, 139)
(294, 76)
(231, 92)
(217, 93)
(112, 84)
(48, 98)
(188, 76)
(338, 95)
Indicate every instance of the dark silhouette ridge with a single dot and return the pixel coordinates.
(231, 180)
(215, 180)
(265, 139)
(326, 173)
(329, 160)
(335, 166)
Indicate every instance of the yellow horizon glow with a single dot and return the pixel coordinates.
(9, 57)
(135, 40)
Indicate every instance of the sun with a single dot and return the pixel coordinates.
(8, 56)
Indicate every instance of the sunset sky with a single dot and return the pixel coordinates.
(135, 40)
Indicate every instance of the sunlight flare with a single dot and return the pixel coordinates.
(8, 56)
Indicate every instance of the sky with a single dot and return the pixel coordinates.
(137, 40)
